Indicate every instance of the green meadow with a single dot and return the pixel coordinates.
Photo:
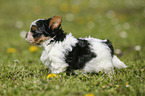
(120, 21)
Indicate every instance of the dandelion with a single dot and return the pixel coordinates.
(51, 75)
(19, 24)
(110, 14)
(138, 48)
(23, 34)
(11, 50)
(16, 61)
(123, 34)
(69, 17)
(33, 48)
(117, 51)
(127, 85)
(91, 94)
(91, 25)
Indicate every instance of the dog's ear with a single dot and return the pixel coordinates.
(55, 22)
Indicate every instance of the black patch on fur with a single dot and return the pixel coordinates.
(109, 44)
(79, 56)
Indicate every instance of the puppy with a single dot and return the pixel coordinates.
(66, 53)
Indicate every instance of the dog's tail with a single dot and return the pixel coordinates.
(117, 63)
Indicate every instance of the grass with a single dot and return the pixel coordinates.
(121, 21)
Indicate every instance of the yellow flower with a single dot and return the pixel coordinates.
(91, 94)
(33, 48)
(127, 85)
(51, 75)
(11, 50)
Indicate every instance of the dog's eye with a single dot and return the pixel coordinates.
(33, 30)
(37, 35)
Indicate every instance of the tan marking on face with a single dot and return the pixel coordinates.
(34, 28)
(35, 41)
(41, 39)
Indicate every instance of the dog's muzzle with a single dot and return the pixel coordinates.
(29, 38)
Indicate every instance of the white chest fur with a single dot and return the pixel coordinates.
(54, 54)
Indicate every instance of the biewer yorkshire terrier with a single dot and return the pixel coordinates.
(64, 52)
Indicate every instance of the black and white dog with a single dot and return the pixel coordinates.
(67, 53)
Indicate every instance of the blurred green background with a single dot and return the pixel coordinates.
(121, 21)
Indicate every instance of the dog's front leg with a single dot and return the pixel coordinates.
(57, 67)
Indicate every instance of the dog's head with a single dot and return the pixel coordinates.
(43, 29)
